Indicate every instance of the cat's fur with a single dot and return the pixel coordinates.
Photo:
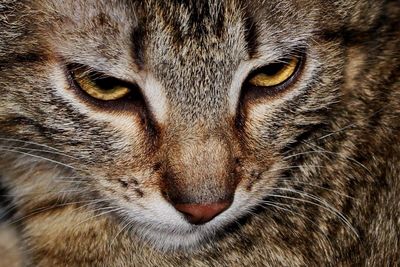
(315, 169)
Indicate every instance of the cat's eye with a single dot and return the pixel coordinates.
(275, 74)
(274, 77)
(100, 86)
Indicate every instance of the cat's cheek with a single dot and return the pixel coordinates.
(263, 114)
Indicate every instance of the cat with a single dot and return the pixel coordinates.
(201, 133)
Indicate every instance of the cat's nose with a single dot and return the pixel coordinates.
(202, 213)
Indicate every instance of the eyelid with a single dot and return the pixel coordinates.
(133, 101)
(284, 71)
(90, 87)
(256, 92)
(88, 81)
(97, 73)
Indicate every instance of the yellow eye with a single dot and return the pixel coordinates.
(275, 73)
(99, 86)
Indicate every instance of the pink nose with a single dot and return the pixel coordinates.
(202, 213)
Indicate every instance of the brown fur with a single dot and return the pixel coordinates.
(314, 170)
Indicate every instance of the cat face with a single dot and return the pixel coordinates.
(179, 114)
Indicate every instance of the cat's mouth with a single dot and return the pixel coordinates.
(166, 229)
(186, 222)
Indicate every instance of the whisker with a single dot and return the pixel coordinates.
(39, 157)
(119, 232)
(322, 150)
(41, 193)
(337, 131)
(289, 180)
(279, 206)
(291, 167)
(44, 209)
(39, 150)
(350, 125)
(319, 203)
(331, 153)
(110, 210)
(29, 142)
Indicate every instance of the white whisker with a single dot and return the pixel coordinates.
(39, 157)
(320, 203)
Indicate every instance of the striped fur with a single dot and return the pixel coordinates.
(314, 170)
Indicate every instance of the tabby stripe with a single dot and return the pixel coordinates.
(29, 57)
(251, 35)
(18, 121)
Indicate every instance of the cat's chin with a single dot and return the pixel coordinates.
(179, 238)
(176, 234)
(168, 241)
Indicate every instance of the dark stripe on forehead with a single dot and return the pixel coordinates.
(202, 17)
(138, 39)
(202, 13)
(251, 34)
(29, 57)
(199, 10)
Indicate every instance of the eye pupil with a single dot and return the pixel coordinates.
(105, 83)
(273, 69)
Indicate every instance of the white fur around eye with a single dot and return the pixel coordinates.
(258, 111)
(311, 65)
(236, 85)
(156, 98)
(120, 120)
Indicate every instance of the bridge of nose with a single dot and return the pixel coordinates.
(200, 171)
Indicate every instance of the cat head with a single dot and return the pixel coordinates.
(181, 114)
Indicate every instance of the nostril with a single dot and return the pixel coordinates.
(202, 213)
